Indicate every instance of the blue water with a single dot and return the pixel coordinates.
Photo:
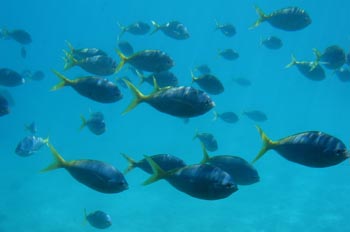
(289, 197)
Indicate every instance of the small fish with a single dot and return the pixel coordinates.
(95, 123)
(287, 19)
(229, 117)
(227, 29)
(23, 52)
(166, 162)
(272, 42)
(312, 70)
(208, 140)
(96, 88)
(98, 219)
(82, 53)
(182, 101)
(209, 83)
(20, 36)
(4, 106)
(10, 78)
(229, 54)
(343, 74)
(173, 29)
(255, 115)
(38, 76)
(95, 174)
(332, 58)
(137, 28)
(242, 81)
(126, 48)
(32, 128)
(30, 145)
(238, 168)
(203, 69)
(311, 148)
(202, 181)
(147, 60)
(163, 79)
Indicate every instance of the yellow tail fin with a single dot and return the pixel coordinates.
(158, 173)
(156, 27)
(131, 163)
(64, 81)
(293, 62)
(58, 163)
(267, 144)
(206, 156)
(123, 59)
(262, 17)
(139, 97)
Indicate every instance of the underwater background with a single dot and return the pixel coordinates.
(289, 197)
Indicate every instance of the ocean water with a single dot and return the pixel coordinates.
(289, 197)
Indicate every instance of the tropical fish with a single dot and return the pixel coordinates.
(183, 102)
(10, 78)
(147, 60)
(208, 140)
(30, 145)
(4, 106)
(173, 29)
(288, 19)
(163, 79)
(272, 42)
(18, 35)
(242, 172)
(32, 128)
(126, 48)
(227, 29)
(229, 54)
(311, 148)
(332, 58)
(95, 123)
(202, 181)
(82, 53)
(98, 219)
(96, 88)
(137, 28)
(312, 70)
(229, 117)
(242, 81)
(95, 174)
(209, 83)
(255, 115)
(166, 162)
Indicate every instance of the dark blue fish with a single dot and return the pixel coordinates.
(239, 169)
(31, 128)
(95, 174)
(229, 117)
(163, 79)
(209, 83)
(229, 54)
(272, 42)
(95, 123)
(312, 70)
(30, 145)
(4, 106)
(183, 102)
(332, 58)
(20, 36)
(242, 81)
(10, 78)
(288, 19)
(96, 88)
(311, 148)
(208, 140)
(201, 181)
(98, 219)
(343, 74)
(227, 29)
(173, 29)
(126, 48)
(166, 162)
(256, 115)
(137, 28)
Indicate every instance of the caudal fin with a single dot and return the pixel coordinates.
(123, 59)
(206, 156)
(267, 144)
(69, 60)
(158, 173)
(293, 61)
(64, 81)
(156, 27)
(262, 17)
(59, 162)
(131, 163)
(83, 122)
(216, 115)
(139, 97)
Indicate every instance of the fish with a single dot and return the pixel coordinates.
(229, 54)
(244, 82)
(311, 70)
(227, 29)
(95, 123)
(163, 79)
(29, 145)
(10, 78)
(82, 53)
(32, 128)
(95, 174)
(166, 162)
(126, 48)
(98, 219)
(147, 60)
(18, 35)
(272, 42)
(209, 83)
(208, 140)
(23, 52)
(182, 101)
(288, 19)
(202, 181)
(4, 106)
(343, 74)
(333, 57)
(229, 117)
(8, 97)
(242, 172)
(173, 29)
(255, 115)
(95, 88)
(203, 69)
(37, 76)
(136, 28)
(310, 148)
